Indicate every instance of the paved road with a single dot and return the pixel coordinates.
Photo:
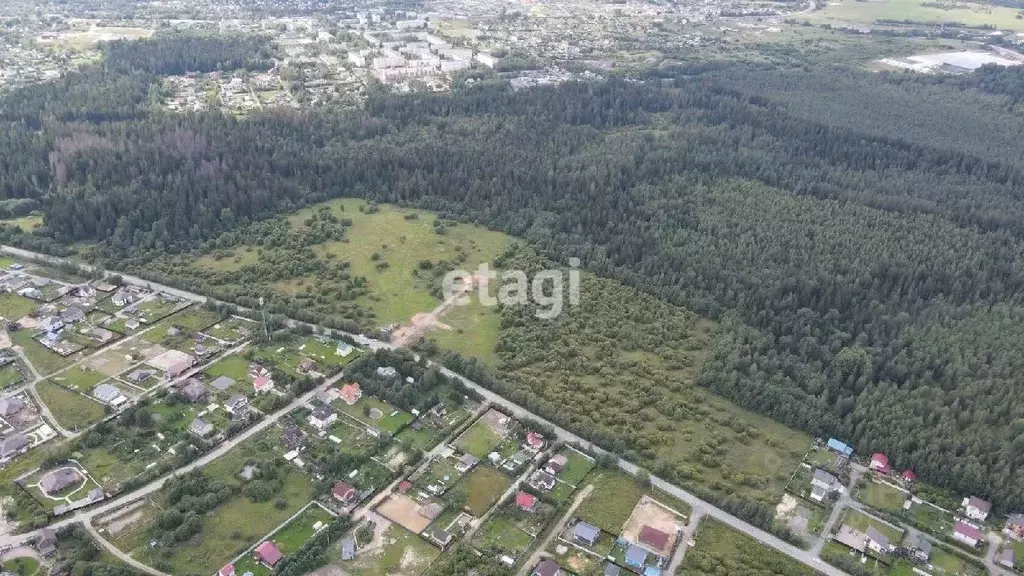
(113, 504)
(118, 553)
(803, 556)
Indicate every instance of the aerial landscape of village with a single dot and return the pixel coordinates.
(229, 345)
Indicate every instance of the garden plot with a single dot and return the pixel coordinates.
(493, 432)
(395, 552)
(82, 380)
(407, 512)
(649, 512)
(288, 355)
(231, 330)
(290, 537)
(63, 487)
(374, 413)
(480, 489)
(110, 362)
(350, 438)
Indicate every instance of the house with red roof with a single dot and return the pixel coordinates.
(351, 393)
(653, 539)
(880, 463)
(228, 570)
(526, 501)
(268, 554)
(964, 532)
(908, 476)
(344, 492)
(262, 384)
(404, 486)
(535, 441)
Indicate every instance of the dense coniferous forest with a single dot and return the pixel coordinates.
(866, 273)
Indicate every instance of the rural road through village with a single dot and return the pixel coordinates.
(803, 556)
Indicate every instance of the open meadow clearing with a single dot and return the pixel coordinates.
(870, 11)
(719, 545)
(72, 410)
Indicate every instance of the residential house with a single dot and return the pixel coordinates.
(822, 484)
(466, 462)
(195, 391)
(612, 569)
(1007, 558)
(351, 393)
(51, 324)
(268, 554)
(636, 556)
(237, 406)
(967, 534)
(306, 365)
(908, 476)
(880, 463)
(46, 542)
(343, 349)
(526, 501)
(293, 437)
(387, 372)
(72, 315)
(848, 536)
(140, 376)
(201, 428)
(653, 539)
(59, 480)
(227, 570)
(404, 486)
(556, 464)
(1015, 527)
(348, 549)
(547, 568)
(918, 547)
(322, 417)
(441, 537)
(262, 384)
(344, 492)
(109, 394)
(976, 508)
(535, 441)
(180, 367)
(586, 533)
(10, 406)
(122, 297)
(877, 541)
(222, 383)
(541, 480)
(839, 447)
(13, 445)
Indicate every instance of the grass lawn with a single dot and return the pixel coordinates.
(13, 306)
(861, 522)
(403, 554)
(500, 535)
(45, 361)
(717, 545)
(249, 564)
(949, 564)
(234, 367)
(108, 469)
(612, 501)
(72, 410)
(80, 379)
(22, 566)
(484, 485)
(26, 223)
(437, 473)
(293, 535)
(882, 497)
(479, 440)
(10, 375)
(391, 421)
(577, 466)
(934, 520)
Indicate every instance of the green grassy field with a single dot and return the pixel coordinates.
(612, 501)
(391, 421)
(577, 466)
(478, 440)
(501, 535)
(403, 554)
(882, 497)
(867, 12)
(22, 566)
(10, 375)
(861, 523)
(72, 410)
(80, 379)
(234, 367)
(44, 361)
(26, 223)
(719, 546)
(13, 306)
(484, 485)
(294, 534)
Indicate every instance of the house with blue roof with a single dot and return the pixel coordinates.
(840, 447)
(636, 556)
(586, 533)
